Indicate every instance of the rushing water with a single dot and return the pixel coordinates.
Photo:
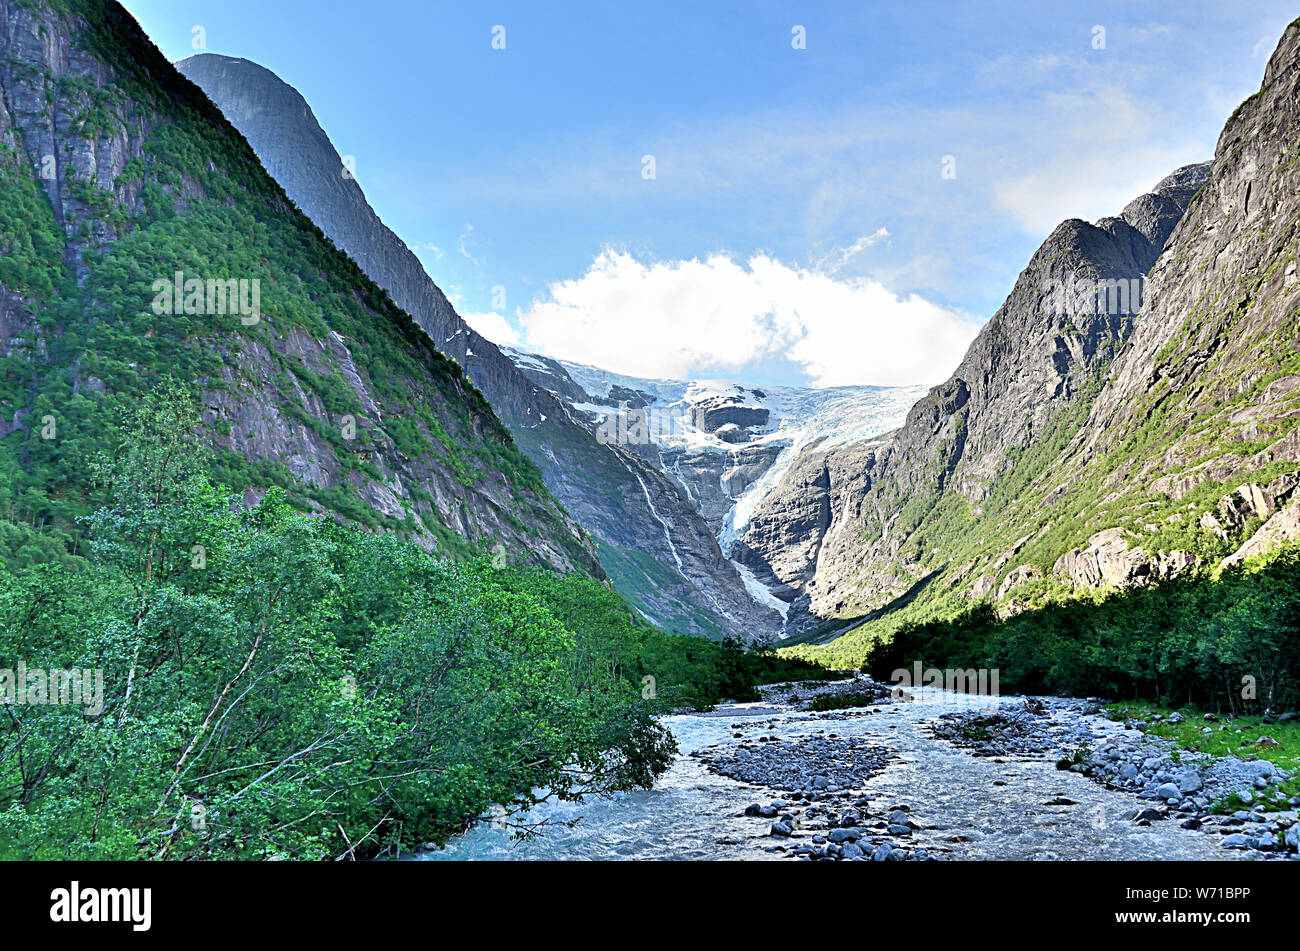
(694, 814)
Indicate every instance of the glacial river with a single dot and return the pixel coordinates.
(970, 807)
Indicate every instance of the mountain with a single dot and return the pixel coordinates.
(142, 241)
(853, 527)
(651, 540)
(726, 444)
(1192, 442)
(1077, 453)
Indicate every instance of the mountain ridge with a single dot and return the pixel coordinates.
(845, 531)
(119, 174)
(651, 541)
(1181, 458)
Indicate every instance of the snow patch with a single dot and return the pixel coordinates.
(760, 592)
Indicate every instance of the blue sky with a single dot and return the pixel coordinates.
(798, 227)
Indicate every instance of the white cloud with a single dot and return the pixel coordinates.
(677, 319)
(1085, 188)
(1103, 151)
(493, 326)
(462, 243)
(836, 258)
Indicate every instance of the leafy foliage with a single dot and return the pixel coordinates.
(1189, 640)
(277, 684)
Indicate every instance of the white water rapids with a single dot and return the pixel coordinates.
(969, 807)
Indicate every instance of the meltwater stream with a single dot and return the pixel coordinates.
(969, 807)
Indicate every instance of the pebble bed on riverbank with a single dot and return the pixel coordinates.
(824, 815)
(1182, 786)
(815, 764)
(799, 695)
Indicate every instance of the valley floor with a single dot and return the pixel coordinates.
(881, 783)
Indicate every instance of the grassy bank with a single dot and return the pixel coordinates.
(1227, 736)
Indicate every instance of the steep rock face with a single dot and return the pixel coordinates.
(1196, 427)
(284, 133)
(1210, 376)
(1188, 454)
(652, 542)
(873, 519)
(118, 172)
(1049, 339)
(782, 543)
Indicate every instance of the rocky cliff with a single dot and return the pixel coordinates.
(1192, 443)
(1076, 448)
(142, 239)
(651, 540)
(853, 527)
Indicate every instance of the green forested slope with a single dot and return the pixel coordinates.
(117, 173)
